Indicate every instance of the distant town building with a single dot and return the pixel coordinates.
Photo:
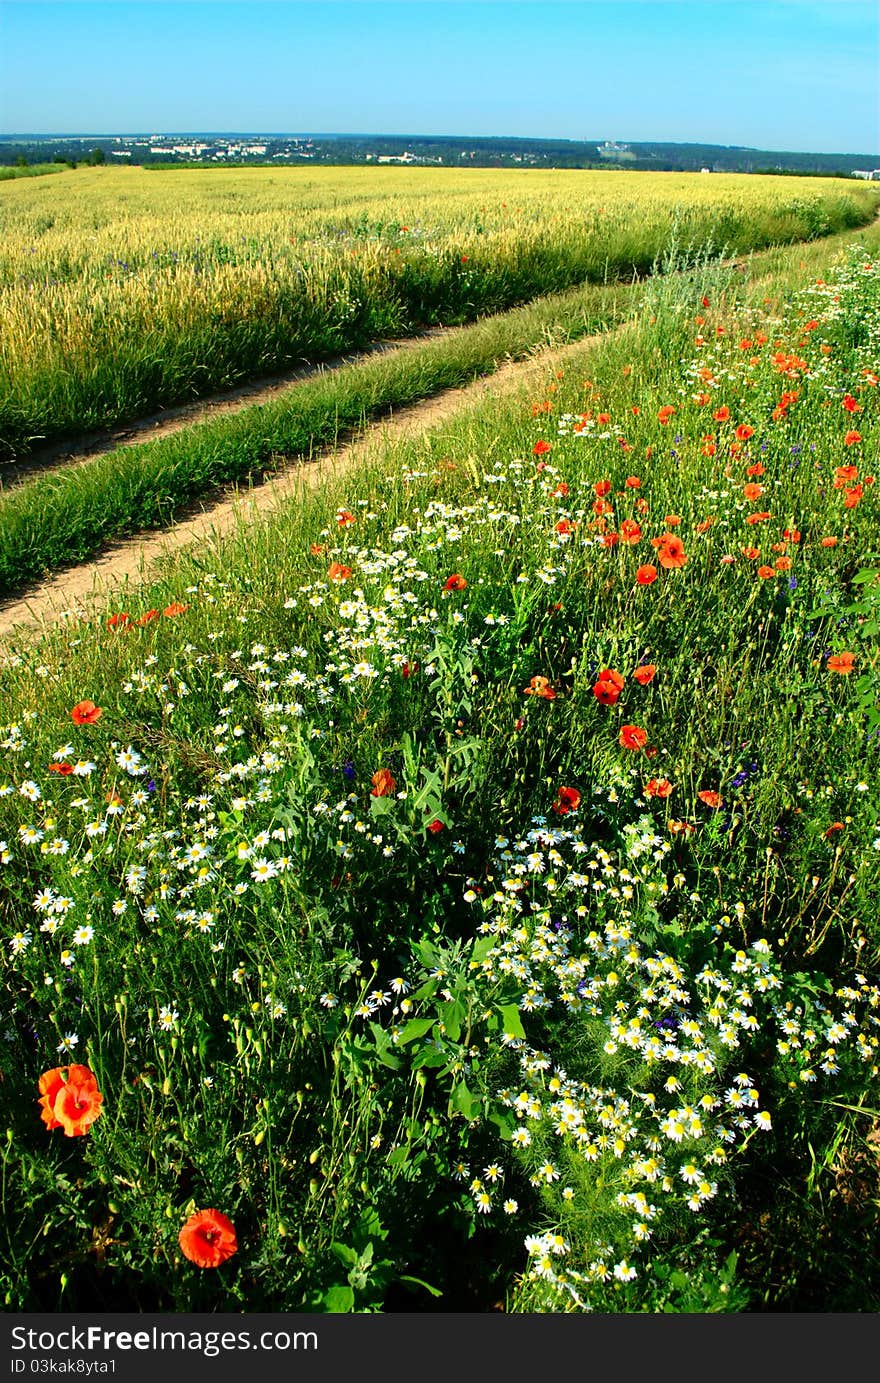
(872, 174)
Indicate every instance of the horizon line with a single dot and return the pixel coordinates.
(410, 135)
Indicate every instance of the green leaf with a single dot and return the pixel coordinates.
(482, 946)
(338, 1300)
(346, 1255)
(428, 1056)
(451, 1016)
(426, 990)
(435, 1291)
(383, 1047)
(462, 1101)
(512, 1022)
(503, 1122)
(415, 1028)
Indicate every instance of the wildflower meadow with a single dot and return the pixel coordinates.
(458, 892)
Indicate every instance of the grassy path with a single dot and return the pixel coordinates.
(73, 592)
(165, 422)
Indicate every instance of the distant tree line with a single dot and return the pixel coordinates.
(448, 151)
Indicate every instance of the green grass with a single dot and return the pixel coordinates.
(33, 170)
(327, 1009)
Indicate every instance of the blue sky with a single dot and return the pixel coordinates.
(772, 74)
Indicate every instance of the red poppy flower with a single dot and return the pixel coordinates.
(630, 532)
(710, 798)
(646, 574)
(665, 413)
(561, 490)
(345, 518)
(541, 448)
(633, 482)
(567, 800)
(175, 608)
(147, 617)
(70, 1099)
(407, 668)
(645, 674)
(208, 1238)
(752, 492)
(829, 542)
(316, 549)
(565, 528)
(765, 572)
(721, 414)
(845, 475)
(633, 737)
(602, 488)
(540, 686)
(85, 713)
(852, 497)
(455, 582)
(383, 783)
(338, 572)
(608, 687)
(657, 787)
(744, 432)
(672, 554)
(851, 405)
(758, 518)
(851, 438)
(841, 662)
(435, 826)
(704, 525)
(120, 621)
(63, 769)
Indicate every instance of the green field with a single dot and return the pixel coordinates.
(464, 882)
(123, 289)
